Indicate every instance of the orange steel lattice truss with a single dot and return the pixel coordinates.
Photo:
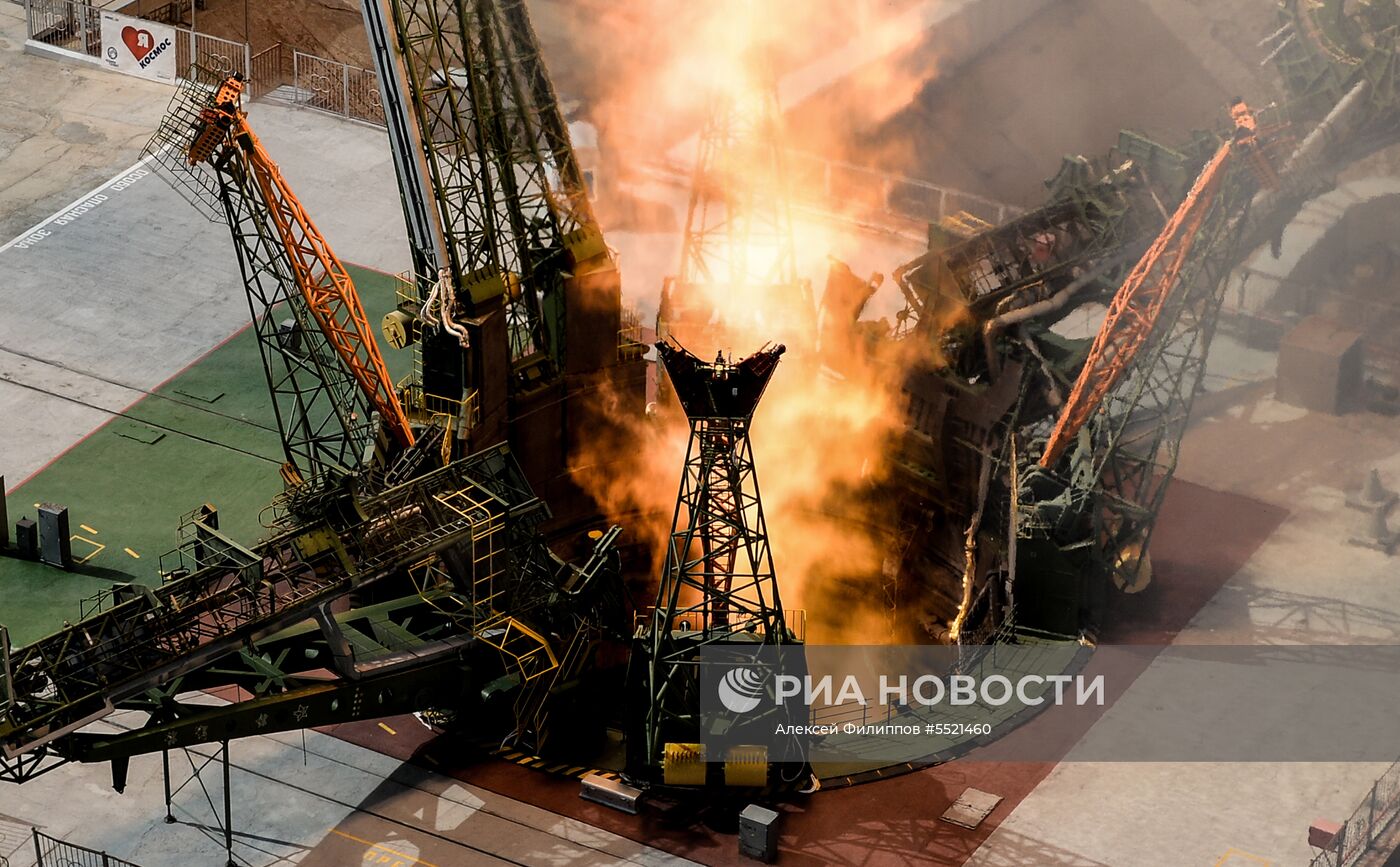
(329, 291)
(321, 278)
(1133, 313)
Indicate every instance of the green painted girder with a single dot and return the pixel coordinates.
(442, 684)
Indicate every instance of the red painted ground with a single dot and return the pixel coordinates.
(1203, 538)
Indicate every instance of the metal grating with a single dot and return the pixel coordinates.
(198, 184)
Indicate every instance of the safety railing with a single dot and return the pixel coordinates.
(694, 621)
(77, 27)
(336, 88)
(353, 92)
(14, 837)
(629, 336)
(173, 12)
(65, 24)
(52, 852)
(834, 181)
(271, 69)
(852, 712)
(317, 83)
(1371, 819)
(855, 192)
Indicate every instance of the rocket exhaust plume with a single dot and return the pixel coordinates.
(823, 432)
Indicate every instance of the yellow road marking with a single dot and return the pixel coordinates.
(97, 547)
(132, 553)
(89, 529)
(382, 848)
(387, 729)
(1232, 853)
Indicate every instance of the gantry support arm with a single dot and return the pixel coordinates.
(327, 287)
(1133, 313)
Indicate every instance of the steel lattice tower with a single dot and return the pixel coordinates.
(495, 202)
(718, 584)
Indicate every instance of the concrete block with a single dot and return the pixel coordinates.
(1320, 367)
(1324, 834)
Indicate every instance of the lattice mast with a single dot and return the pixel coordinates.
(718, 583)
(324, 369)
(496, 203)
(738, 255)
(1147, 362)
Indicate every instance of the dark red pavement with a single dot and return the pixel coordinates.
(1203, 538)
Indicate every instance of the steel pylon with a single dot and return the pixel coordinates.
(718, 584)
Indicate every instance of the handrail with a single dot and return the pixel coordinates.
(50, 846)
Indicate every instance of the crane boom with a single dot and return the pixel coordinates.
(1137, 305)
(319, 275)
(328, 289)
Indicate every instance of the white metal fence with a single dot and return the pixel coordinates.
(77, 27)
(317, 83)
(64, 24)
(338, 88)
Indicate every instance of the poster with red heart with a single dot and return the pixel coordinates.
(138, 47)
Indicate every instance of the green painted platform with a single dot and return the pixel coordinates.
(208, 435)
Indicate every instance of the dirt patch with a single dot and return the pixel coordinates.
(333, 29)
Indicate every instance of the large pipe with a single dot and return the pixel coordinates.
(1040, 308)
(1302, 168)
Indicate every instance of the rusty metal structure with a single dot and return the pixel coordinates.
(410, 567)
(514, 305)
(1033, 464)
(1137, 306)
(324, 368)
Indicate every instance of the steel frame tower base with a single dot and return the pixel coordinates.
(718, 586)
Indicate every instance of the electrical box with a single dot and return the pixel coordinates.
(758, 833)
(55, 540)
(27, 538)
